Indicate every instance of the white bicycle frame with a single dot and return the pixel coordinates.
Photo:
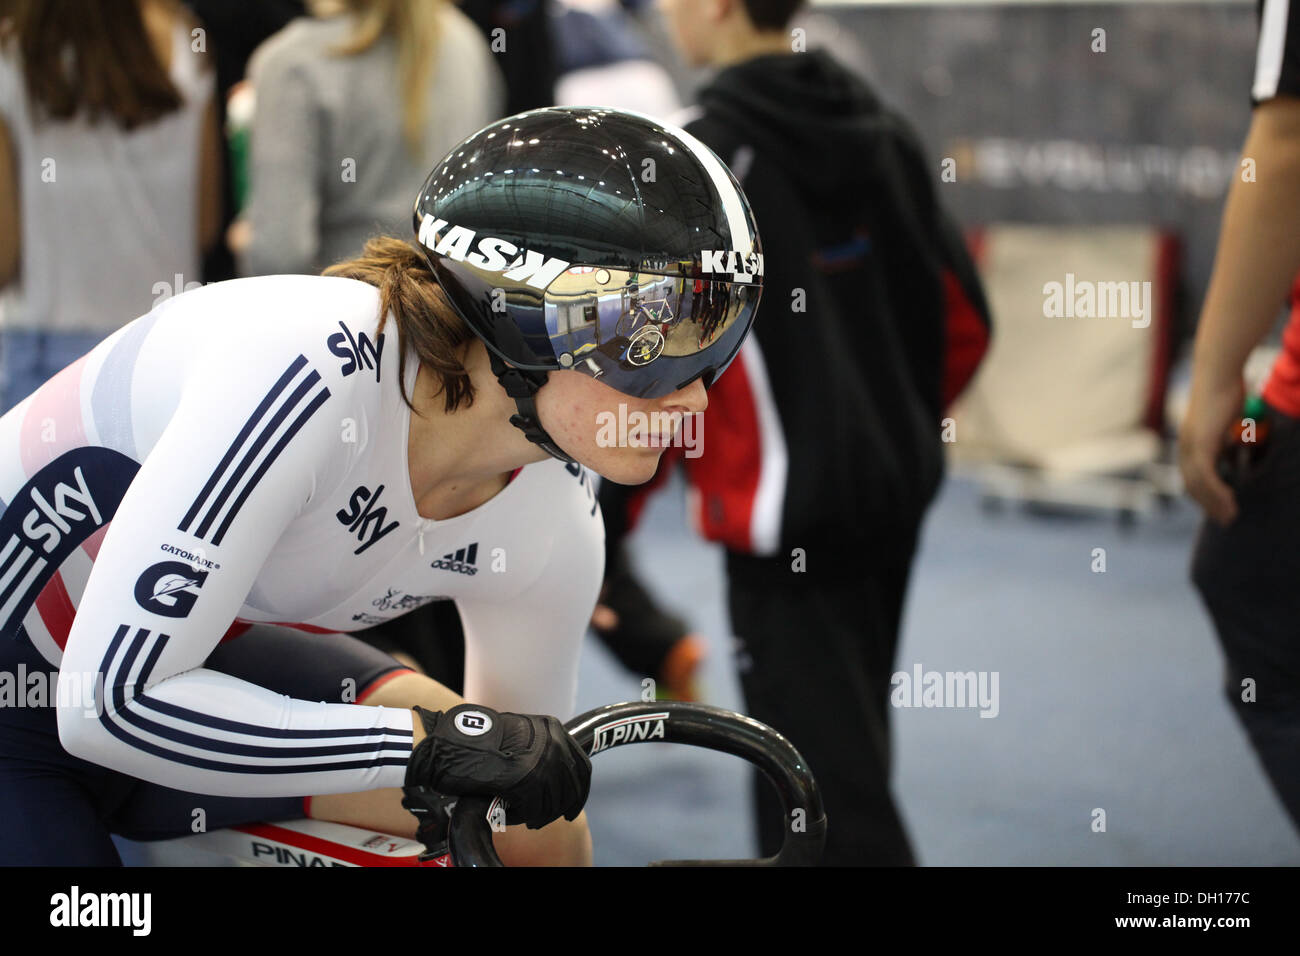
(291, 843)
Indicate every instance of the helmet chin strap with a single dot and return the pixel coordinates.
(522, 386)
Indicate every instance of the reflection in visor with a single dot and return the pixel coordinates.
(613, 324)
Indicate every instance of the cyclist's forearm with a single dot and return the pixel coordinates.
(1258, 256)
(207, 732)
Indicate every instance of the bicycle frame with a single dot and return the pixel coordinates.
(290, 843)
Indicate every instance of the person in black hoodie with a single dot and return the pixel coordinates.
(822, 449)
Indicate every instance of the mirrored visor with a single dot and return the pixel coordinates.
(646, 334)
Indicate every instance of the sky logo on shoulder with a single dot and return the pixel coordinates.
(357, 351)
(463, 561)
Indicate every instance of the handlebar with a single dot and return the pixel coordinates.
(698, 725)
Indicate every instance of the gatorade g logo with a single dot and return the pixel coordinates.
(473, 723)
(169, 588)
(489, 253)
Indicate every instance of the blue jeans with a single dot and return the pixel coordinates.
(29, 359)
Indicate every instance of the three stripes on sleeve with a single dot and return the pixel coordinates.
(196, 739)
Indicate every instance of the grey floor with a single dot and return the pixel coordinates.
(1109, 699)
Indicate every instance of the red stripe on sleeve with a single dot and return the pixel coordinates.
(56, 609)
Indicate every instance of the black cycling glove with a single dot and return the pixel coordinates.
(530, 761)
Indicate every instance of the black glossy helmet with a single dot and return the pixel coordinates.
(594, 240)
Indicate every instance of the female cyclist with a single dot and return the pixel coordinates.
(309, 455)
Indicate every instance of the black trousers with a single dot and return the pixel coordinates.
(1248, 575)
(815, 659)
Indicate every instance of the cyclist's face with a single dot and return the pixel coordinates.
(615, 435)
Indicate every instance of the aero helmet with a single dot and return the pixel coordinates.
(592, 240)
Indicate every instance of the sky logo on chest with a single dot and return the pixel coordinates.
(365, 517)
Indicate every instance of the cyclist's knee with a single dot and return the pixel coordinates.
(408, 689)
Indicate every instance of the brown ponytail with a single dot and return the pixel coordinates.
(424, 316)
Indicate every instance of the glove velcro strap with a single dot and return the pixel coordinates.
(454, 742)
(473, 727)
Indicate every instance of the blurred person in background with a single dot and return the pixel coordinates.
(352, 107)
(234, 29)
(1246, 565)
(523, 45)
(822, 449)
(106, 119)
(605, 60)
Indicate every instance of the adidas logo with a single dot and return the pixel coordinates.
(461, 561)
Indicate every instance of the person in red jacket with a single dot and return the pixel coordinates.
(822, 446)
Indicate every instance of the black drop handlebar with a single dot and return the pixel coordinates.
(699, 725)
